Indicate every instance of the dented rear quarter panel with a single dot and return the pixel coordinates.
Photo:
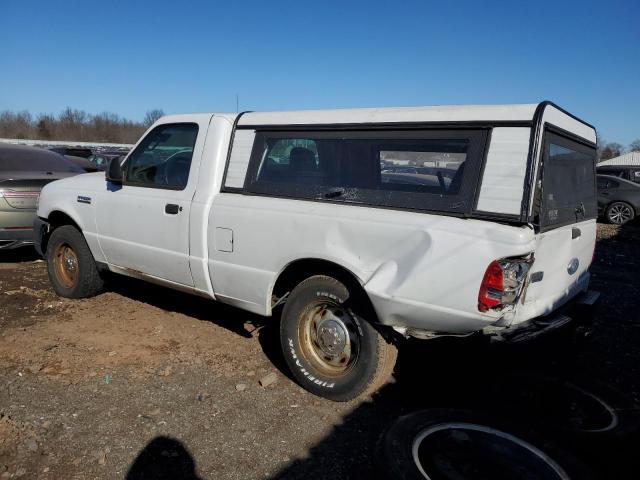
(420, 270)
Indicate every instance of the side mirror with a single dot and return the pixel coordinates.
(114, 171)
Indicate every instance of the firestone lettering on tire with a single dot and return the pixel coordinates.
(330, 295)
(304, 370)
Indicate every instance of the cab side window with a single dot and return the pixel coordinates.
(163, 158)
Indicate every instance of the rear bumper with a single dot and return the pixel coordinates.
(577, 311)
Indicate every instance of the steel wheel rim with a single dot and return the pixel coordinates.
(620, 214)
(328, 338)
(65, 263)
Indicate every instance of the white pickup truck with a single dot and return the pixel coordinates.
(354, 228)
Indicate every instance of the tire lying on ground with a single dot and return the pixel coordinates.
(72, 269)
(447, 444)
(586, 413)
(329, 343)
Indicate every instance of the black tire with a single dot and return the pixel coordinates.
(585, 412)
(619, 213)
(458, 444)
(72, 269)
(332, 351)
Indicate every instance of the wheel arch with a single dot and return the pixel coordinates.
(298, 270)
(57, 218)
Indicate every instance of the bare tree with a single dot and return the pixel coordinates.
(152, 116)
(600, 142)
(635, 145)
(16, 124)
(46, 127)
(611, 150)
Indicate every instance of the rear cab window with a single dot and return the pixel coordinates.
(415, 169)
(568, 190)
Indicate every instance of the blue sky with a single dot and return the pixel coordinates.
(128, 57)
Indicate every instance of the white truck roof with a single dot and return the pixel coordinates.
(544, 112)
(439, 113)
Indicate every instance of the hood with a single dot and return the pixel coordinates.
(86, 182)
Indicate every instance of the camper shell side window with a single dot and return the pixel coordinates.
(419, 169)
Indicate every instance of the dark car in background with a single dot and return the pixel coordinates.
(78, 155)
(73, 151)
(85, 163)
(23, 173)
(101, 160)
(618, 199)
(628, 172)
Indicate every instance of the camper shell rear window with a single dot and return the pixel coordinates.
(568, 182)
(434, 170)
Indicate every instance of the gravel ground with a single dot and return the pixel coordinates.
(144, 382)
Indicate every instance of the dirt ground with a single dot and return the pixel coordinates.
(144, 382)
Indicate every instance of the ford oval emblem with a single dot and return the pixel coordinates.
(573, 266)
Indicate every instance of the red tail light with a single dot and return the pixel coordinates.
(491, 288)
(502, 282)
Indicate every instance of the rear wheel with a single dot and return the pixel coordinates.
(620, 213)
(72, 268)
(331, 349)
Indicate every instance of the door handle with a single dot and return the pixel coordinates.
(172, 208)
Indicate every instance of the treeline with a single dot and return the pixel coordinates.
(74, 125)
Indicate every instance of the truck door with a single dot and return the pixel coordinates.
(143, 225)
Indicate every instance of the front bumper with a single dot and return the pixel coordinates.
(579, 311)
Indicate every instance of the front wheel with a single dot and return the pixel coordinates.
(72, 268)
(620, 213)
(332, 351)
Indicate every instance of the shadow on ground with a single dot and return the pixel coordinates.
(18, 255)
(163, 458)
(237, 321)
